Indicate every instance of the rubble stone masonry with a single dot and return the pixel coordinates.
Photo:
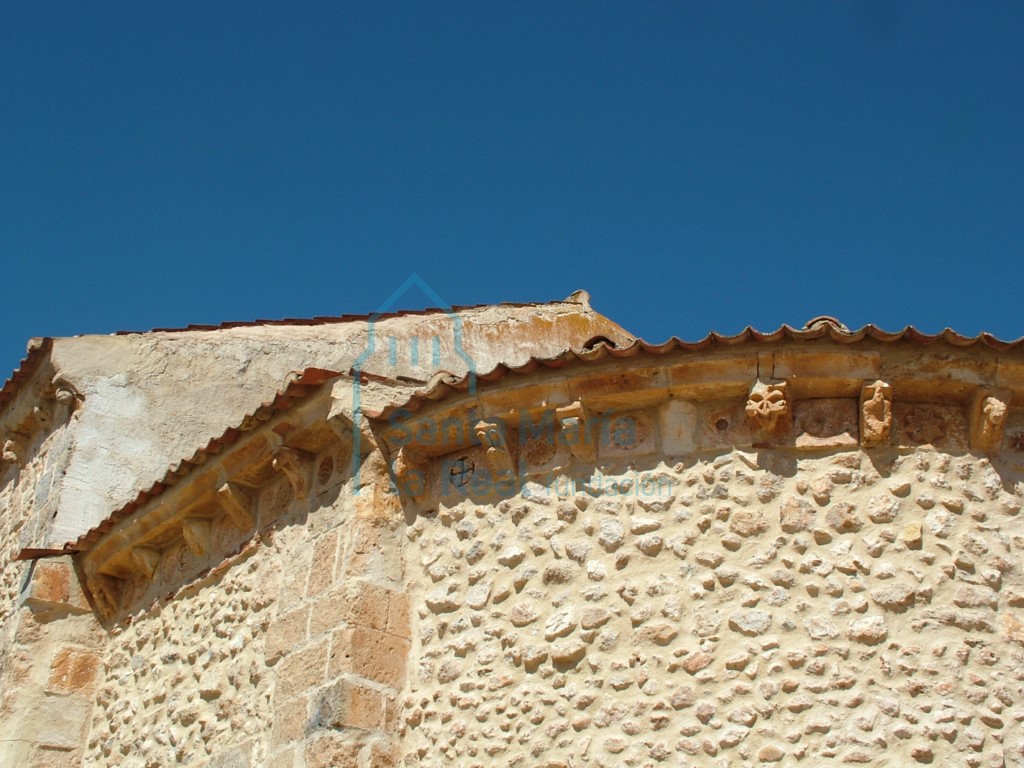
(796, 549)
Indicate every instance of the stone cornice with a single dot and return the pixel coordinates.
(607, 408)
(32, 401)
(213, 504)
(829, 395)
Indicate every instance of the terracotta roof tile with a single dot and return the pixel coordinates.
(331, 320)
(443, 386)
(38, 349)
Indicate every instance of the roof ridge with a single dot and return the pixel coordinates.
(344, 318)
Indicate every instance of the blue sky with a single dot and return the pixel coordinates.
(695, 166)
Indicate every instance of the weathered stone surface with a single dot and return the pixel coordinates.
(842, 517)
(523, 614)
(912, 535)
(659, 634)
(826, 423)
(347, 703)
(301, 670)
(567, 652)
(695, 662)
(751, 622)
(976, 597)
(870, 631)
(796, 515)
(747, 522)
(560, 624)
(820, 628)
(883, 509)
(769, 409)
(592, 618)
(633, 608)
(611, 535)
(74, 671)
(894, 596)
(770, 754)
(286, 633)
(875, 414)
(442, 600)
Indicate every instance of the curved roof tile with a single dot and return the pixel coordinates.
(442, 387)
(37, 351)
(300, 386)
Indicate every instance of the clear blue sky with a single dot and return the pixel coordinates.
(695, 166)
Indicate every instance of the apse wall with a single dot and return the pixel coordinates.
(737, 609)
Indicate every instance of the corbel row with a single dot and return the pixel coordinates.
(56, 403)
(771, 415)
(233, 500)
(769, 411)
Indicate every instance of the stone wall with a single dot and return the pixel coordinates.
(745, 609)
(689, 566)
(46, 644)
(290, 653)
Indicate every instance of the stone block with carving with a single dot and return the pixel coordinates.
(769, 410)
(989, 411)
(875, 414)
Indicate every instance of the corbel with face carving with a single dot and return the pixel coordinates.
(769, 410)
(989, 409)
(875, 414)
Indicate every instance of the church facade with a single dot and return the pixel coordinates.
(511, 535)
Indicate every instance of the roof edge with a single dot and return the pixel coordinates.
(352, 318)
(442, 387)
(36, 351)
(298, 387)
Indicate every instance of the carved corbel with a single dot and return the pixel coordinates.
(410, 470)
(237, 505)
(197, 536)
(107, 591)
(65, 396)
(13, 450)
(769, 410)
(577, 432)
(292, 464)
(64, 392)
(493, 435)
(989, 409)
(875, 413)
(146, 560)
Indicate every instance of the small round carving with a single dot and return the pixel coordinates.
(326, 469)
(624, 432)
(722, 424)
(539, 450)
(184, 557)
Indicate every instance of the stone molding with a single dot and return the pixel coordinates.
(217, 509)
(830, 399)
(835, 397)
